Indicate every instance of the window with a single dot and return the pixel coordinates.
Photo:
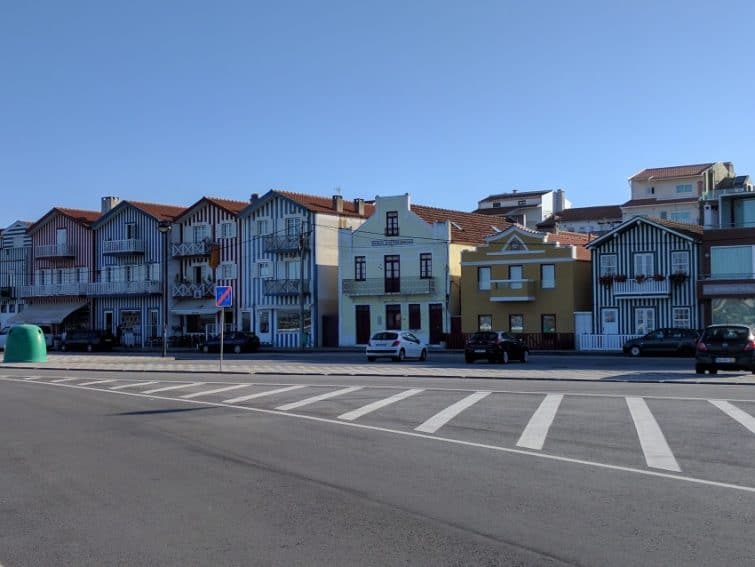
(360, 268)
(228, 229)
(4, 308)
(521, 202)
(680, 262)
(293, 226)
(415, 316)
(130, 230)
(264, 271)
(392, 269)
(685, 188)
(608, 264)
(548, 323)
(483, 278)
(263, 227)
(11, 308)
(644, 320)
(643, 264)
(516, 323)
(425, 265)
(496, 205)
(289, 320)
(391, 223)
(226, 271)
(681, 317)
(548, 276)
(731, 262)
(516, 277)
(484, 322)
(393, 316)
(200, 232)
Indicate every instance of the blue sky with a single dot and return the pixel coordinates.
(449, 101)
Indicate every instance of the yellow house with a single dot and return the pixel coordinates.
(527, 282)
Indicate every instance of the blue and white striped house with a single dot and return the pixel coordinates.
(127, 287)
(15, 266)
(281, 232)
(644, 277)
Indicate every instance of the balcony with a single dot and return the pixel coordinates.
(128, 246)
(54, 251)
(195, 290)
(648, 287)
(283, 287)
(54, 290)
(376, 286)
(284, 243)
(504, 291)
(186, 249)
(124, 288)
(715, 285)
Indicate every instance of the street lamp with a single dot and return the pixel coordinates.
(164, 227)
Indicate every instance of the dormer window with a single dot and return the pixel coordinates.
(521, 202)
(391, 223)
(496, 205)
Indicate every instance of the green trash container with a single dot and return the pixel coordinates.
(25, 343)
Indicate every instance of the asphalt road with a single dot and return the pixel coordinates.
(159, 469)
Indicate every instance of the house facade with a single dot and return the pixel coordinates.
(62, 254)
(525, 207)
(401, 269)
(15, 262)
(290, 266)
(127, 287)
(586, 220)
(529, 283)
(644, 275)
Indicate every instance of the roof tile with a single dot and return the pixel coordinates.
(474, 227)
(670, 172)
(319, 204)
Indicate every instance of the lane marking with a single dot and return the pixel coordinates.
(448, 440)
(369, 408)
(736, 414)
(136, 385)
(442, 417)
(28, 378)
(95, 382)
(216, 391)
(63, 380)
(175, 387)
(263, 394)
(315, 399)
(657, 452)
(533, 436)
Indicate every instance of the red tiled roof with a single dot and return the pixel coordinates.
(515, 194)
(565, 238)
(159, 211)
(319, 204)
(690, 229)
(496, 211)
(229, 205)
(671, 172)
(645, 202)
(577, 214)
(80, 215)
(474, 227)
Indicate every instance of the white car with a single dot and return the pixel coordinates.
(396, 345)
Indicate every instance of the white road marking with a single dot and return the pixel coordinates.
(96, 382)
(369, 408)
(175, 387)
(136, 385)
(63, 380)
(32, 378)
(459, 442)
(216, 391)
(654, 445)
(263, 394)
(536, 431)
(736, 414)
(315, 399)
(442, 417)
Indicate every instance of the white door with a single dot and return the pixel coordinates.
(644, 320)
(263, 327)
(582, 323)
(609, 321)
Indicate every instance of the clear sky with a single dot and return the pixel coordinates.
(167, 101)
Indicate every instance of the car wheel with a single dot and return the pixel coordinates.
(371, 358)
(504, 357)
(89, 348)
(525, 356)
(469, 359)
(699, 369)
(205, 348)
(63, 348)
(423, 354)
(401, 355)
(635, 351)
(237, 349)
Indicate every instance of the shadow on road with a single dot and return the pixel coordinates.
(159, 411)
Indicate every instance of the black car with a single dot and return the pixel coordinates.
(725, 347)
(235, 341)
(671, 340)
(495, 346)
(87, 340)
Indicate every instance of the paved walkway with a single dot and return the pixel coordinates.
(135, 363)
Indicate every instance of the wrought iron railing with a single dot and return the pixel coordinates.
(54, 251)
(191, 249)
(284, 287)
(285, 243)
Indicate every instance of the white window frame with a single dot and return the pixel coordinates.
(684, 188)
(293, 226)
(203, 229)
(644, 320)
(680, 262)
(551, 282)
(264, 270)
(226, 271)
(681, 317)
(131, 230)
(608, 264)
(262, 226)
(227, 229)
(644, 264)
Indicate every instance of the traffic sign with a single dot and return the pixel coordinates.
(223, 296)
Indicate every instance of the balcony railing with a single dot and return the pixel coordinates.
(128, 246)
(716, 193)
(284, 243)
(632, 287)
(184, 249)
(195, 290)
(410, 285)
(54, 251)
(512, 290)
(52, 290)
(124, 288)
(283, 287)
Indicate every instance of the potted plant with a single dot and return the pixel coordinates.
(606, 280)
(621, 278)
(678, 277)
(640, 278)
(658, 277)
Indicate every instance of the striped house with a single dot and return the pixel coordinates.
(208, 224)
(15, 260)
(644, 276)
(127, 287)
(283, 232)
(62, 254)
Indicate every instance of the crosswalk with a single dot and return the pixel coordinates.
(522, 420)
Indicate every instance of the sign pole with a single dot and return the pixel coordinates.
(222, 327)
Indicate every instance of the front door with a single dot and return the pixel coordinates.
(263, 327)
(362, 314)
(609, 321)
(436, 323)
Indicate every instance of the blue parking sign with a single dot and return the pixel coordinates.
(223, 296)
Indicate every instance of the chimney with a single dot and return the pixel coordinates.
(514, 190)
(338, 203)
(359, 206)
(107, 203)
(254, 197)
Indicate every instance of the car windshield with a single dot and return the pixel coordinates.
(384, 336)
(483, 336)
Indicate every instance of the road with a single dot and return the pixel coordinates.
(104, 468)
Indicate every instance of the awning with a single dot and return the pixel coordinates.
(46, 313)
(195, 307)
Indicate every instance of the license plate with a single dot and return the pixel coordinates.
(479, 350)
(381, 344)
(725, 359)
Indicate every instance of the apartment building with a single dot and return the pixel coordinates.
(525, 207)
